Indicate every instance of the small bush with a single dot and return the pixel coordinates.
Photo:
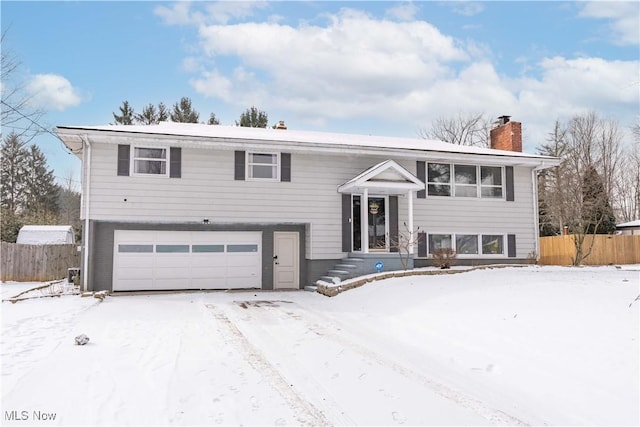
(444, 257)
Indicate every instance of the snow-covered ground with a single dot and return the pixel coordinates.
(534, 345)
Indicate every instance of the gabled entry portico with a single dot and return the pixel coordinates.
(370, 207)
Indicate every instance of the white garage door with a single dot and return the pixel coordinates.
(157, 260)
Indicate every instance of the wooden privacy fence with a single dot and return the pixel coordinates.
(607, 249)
(36, 263)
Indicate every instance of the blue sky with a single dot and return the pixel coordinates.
(385, 68)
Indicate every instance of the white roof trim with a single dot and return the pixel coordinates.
(234, 137)
(367, 179)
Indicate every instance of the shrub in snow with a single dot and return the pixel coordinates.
(444, 257)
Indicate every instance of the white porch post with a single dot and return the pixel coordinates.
(410, 206)
(364, 220)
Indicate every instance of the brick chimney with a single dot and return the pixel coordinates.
(507, 135)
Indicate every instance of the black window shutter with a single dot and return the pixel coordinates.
(509, 178)
(422, 176)
(175, 165)
(422, 245)
(511, 245)
(239, 165)
(393, 222)
(123, 160)
(346, 223)
(285, 167)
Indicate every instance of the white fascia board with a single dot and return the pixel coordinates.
(70, 136)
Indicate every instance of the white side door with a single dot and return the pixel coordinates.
(286, 260)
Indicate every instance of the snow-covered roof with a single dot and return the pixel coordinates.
(217, 134)
(45, 235)
(630, 224)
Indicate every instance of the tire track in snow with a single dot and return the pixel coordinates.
(326, 327)
(308, 414)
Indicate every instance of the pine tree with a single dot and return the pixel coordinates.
(41, 192)
(163, 113)
(14, 157)
(253, 118)
(213, 120)
(149, 115)
(127, 115)
(597, 214)
(183, 112)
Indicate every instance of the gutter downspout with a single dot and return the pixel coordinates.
(536, 218)
(85, 237)
(536, 225)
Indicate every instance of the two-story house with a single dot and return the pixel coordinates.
(194, 206)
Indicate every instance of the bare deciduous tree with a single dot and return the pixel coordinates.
(464, 129)
(16, 111)
(589, 147)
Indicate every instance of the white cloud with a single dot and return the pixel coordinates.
(403, 74)
(467, 8)
(51, 91)
(403, 12)
(336, 62)
(220, 12)
(624, 19)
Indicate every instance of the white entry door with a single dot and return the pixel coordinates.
(286, 260)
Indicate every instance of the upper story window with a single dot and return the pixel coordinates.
(464, 180)
(491, 181)
(151, 161)
(263, 166)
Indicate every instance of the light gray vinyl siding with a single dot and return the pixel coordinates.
(464, 215)
(208, 189)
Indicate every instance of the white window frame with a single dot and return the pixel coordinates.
(249, 165)
(166, 160)
(502, 185)
(479, 235)
(478, 185)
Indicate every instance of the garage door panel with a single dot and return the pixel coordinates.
(243, 282)
(134, 273)
(164, 260)
(135, 285)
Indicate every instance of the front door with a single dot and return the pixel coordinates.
(378, 227)
(377, 211)
(286, 260)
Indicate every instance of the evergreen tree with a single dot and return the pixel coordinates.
(163, 113)
(41, 193)
(14, 157)
(183, 112)
(213, 120)
(253, 118)
(127, 115)
(597, 214)
(10, 225)
(149, 115)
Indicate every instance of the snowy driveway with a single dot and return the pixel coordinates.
(510, 346)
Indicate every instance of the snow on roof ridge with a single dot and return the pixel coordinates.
(302, 136)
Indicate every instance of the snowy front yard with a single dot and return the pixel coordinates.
(535, 345)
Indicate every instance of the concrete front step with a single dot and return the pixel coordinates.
(330, 279)
(346, 267)
(338, 272)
